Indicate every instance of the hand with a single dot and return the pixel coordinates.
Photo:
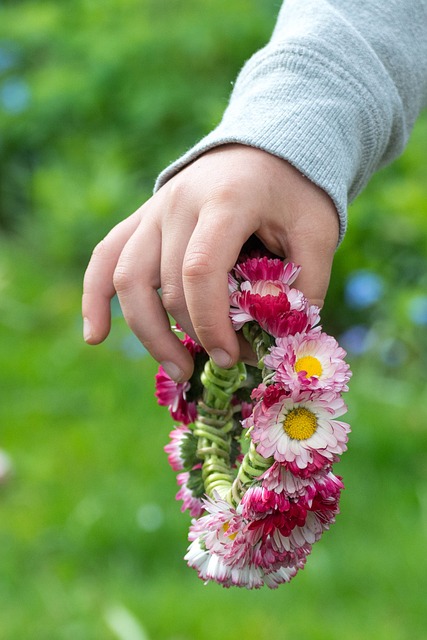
(188, 236)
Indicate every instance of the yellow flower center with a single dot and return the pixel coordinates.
(300, 424)
(310, 365)
(225, 528)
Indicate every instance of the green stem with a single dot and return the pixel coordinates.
(260, 342)
(214, 423)
(253, 465)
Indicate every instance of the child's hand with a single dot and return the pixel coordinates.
(187, 237)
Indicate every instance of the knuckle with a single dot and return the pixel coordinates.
(122, 279)
(173, 298)
(197, 263)
(209, 330)
(177, 192)
(226, 192)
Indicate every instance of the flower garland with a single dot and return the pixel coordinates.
(255, 445)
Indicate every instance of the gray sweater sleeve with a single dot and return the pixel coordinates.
(335, 92)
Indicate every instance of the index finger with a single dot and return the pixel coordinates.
(98, 287)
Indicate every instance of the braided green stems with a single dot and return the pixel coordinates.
(214, 423)
(259, 340)
(253, 464)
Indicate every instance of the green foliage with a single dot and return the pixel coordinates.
(95, 98)
(114, 92)
(388, 239)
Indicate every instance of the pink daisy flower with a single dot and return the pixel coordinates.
(189, 501)
(260, 292)
(301, 430)
(279, 479)
(241, 407)
(246, 409)
(191, 345)
(271, 512)
(267, 269)
(268, 394)
(174, 395)
(298, 522)
(309, 361)
(224, 549)
(279, 312)
(174, 448)
(257, 501)
(323, 508)
(280, 512)
(227, 532)
(211, 566)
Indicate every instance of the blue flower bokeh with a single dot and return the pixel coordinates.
(363, 288)
(418, 310)
(14, 95)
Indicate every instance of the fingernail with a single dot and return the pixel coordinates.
(173, 371)
(221, 358)
(87, 330)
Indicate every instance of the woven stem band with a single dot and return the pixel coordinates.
(214, 424)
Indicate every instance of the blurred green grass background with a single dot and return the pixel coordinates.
(95, 99)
